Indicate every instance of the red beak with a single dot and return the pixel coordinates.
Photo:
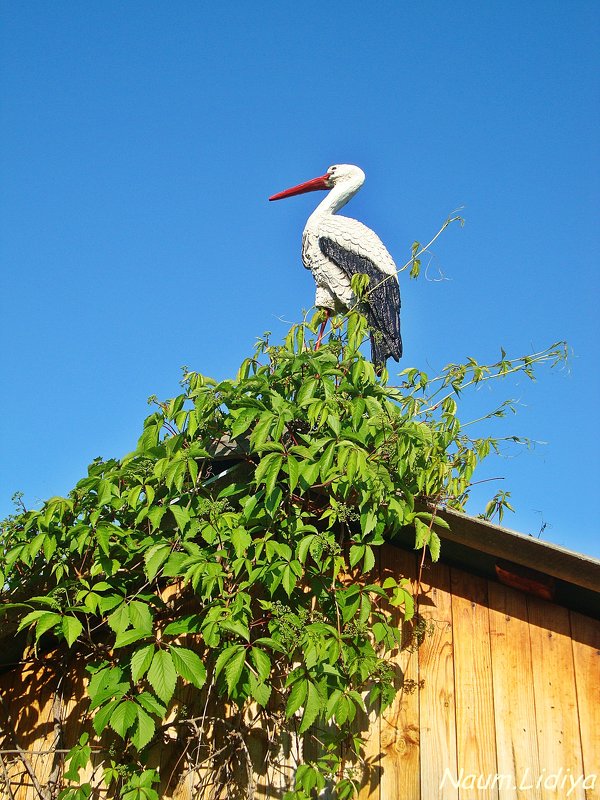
(309, 186)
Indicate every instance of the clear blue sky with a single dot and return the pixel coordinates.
(139, 144)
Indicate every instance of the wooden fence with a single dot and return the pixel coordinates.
(501, 701)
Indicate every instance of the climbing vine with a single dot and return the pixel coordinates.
(220, 578)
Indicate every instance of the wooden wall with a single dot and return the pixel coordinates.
(505, 688)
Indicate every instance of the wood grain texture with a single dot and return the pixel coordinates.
(557, 719)
(514, 702)
(437, 709)
(509, 684)
(400, 722)
(585, 637)
(475, 724)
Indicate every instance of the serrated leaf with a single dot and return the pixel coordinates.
(125, 638)
(421, 533)
(191, 623)
(296, 697)
(262, 662)
(123, 717)
(102, 716)
(119, 619)
(224, 657)
(241, 541)
(233, 669)
(189, 665)
(72, 628)
(312, 707)
(303, 547)
(155, 557)
(181, 514)
(144, 730)
(140, 662)
(151, 704)
(356, 553)
(47, 621)
(162, 675)
(236, 626)
(293, 472)
(369, 559)
(434, 545)
(103, 536)
(243, 420)
(306, 392)
(260, 691)
(267, 641)
(140, 616)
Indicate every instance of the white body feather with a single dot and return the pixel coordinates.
(333, 284)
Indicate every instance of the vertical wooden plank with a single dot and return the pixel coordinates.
(370, 727)
(514, 702)
(555, 699)
(585, 639)
(400, 722)
(475, 728)
(437, 708)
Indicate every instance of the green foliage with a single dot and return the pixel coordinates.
(257, 582)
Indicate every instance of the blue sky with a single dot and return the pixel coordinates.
(139, 145)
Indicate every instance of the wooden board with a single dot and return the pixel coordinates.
(514, 702)
(555, 698)
(476, 739)
(400, 722)
(437, 709)
(585, 639)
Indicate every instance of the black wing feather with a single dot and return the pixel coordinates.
(382, 306)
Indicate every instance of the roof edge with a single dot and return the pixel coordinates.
(494, 540)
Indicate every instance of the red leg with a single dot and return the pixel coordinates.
(322, 331)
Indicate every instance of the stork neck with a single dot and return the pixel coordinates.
(337, 198)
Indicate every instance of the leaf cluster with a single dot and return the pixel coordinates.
(235, 549)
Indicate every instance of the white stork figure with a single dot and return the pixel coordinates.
(334, 248)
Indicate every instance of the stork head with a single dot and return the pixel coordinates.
(350, 176)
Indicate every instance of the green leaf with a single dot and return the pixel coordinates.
(356, 553)
(103, 536)
(72, 628)
(307, 391)
(262, 662)
(140, 662)
(224, 657)
(155, 557)
(102, 716)
(434, 545)
(293, 472)
(181, 514)
(151, 704)
(369, 559)
(260, 691)
(140, 616)
(241, 541)
(144, 730)
(123, 717)
(296, 697)
(162, 675)
(125, 638)
(233, 669)
(268, 471)
(244, 418)
(312, 707)
(421, 533)
(119, 619)
(189, 665)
